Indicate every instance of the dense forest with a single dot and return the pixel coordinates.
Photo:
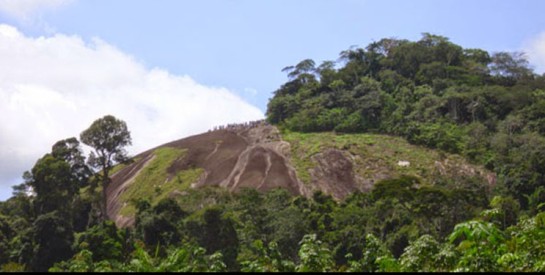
(489, 108)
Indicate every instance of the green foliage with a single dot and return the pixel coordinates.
(104, 241)
(330, 231)
(375, 258)
(372, 155)
(53, 237)
(314, 256)
(487, 107)
(445, 136)
(215, 232)
(400, 188)
(6, 233)
(108, 136)
(420, 255)
(477, 244)
(83, 262)
(55, 182)
(267, 259)
(160, 225)
(154, 182)
(504, 211)
(183, 259)
(12, 267)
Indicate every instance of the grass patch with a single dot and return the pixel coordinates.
(120, 166)
(303, 147)
(306, 145)
(154, 183)
(373, 153)
(84, 191)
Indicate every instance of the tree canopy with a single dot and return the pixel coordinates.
(108, 136)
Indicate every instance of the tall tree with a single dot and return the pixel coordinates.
(53, 185)
(510, 65)
(69, 150)
(57, 177)
(108, 136)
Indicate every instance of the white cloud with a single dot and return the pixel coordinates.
(535, 48)
(53, 88)
(23, 9)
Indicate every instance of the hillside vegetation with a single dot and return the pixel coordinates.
(156, 172)
(401, 156)
(486, 107)
(378, 157)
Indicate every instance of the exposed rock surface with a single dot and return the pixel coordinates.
(257, 157)
(334, 173)
(249, 157)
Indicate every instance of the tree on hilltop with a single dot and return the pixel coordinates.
(108, 136)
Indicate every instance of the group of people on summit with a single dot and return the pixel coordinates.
(241, 126)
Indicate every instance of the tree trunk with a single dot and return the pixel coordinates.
(104, 204)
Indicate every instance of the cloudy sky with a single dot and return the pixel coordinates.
(173, 68)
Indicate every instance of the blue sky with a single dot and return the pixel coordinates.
(177, 68)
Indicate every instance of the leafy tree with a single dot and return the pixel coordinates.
(510, 66)
(327, 72)
(83, 262)
(355, 66)
(53, 237)
(107, 136)
(504, 212)
(159, 225)
(420, 255)
(348, 233)
(303, 70)
(375, 258)
(6, 233)
(57, 177)
(251, 214)
(287, 227)
(445, 136)
(314, 256)
(104, 241)
(215, 232)
(267, 259)
(478, 242)
(70, 151)
(536, 201)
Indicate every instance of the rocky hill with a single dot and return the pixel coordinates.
(258, 156)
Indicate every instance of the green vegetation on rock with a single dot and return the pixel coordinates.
(372, 154)
(154, 183)
(118, 167)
